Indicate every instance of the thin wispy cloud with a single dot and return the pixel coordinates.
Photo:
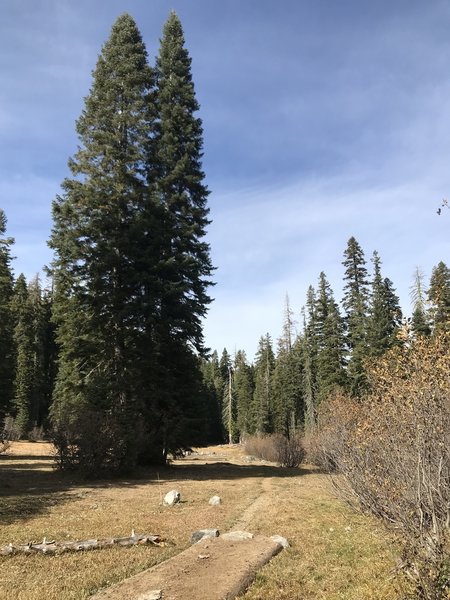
(322, 120)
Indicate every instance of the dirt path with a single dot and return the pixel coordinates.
(212, 569)
(264, 499)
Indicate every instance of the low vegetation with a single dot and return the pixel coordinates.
(335, 553)
(394, 452)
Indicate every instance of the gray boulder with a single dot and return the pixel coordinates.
(215, 501)
(203, 533)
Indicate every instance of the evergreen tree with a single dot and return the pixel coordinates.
(6, 324)
(287, 379)
(243, 392)
(355, 303)
(330, 342)
(105, 257)
(439, 297)
(419, 322)
(263, 396)
(385, 315)
(309, 346)
(24, 383)
(214, 386)
(180, 188)
(176, 182)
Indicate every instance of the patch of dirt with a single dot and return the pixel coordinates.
(212, 569)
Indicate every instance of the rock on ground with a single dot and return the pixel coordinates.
(203, 533)
(172, 497)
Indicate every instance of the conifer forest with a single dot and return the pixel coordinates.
(107, 358)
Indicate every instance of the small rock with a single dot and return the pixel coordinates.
(172, 497)
(237, 536)
(279, 539)
(203, 533)
(203, 556)
(152, 595)
(348, 528)
(215, 501)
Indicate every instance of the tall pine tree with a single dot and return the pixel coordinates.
(6, 323)
(355, 303)
(101, 239)
(177, 183)
(439, 297)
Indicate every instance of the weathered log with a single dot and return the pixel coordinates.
(52, 547)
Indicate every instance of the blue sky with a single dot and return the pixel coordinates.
(322, 120)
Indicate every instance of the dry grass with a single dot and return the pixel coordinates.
(334, 554)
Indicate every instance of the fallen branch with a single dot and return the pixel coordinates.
(52, 547)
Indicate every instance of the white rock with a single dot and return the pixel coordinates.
(172, 497)
(215, 501)
(237, 536)
(153, 595)
(279, 539)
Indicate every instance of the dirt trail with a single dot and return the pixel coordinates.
(264, 499)
(212, 569)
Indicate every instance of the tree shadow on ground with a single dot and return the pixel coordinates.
(29, 486)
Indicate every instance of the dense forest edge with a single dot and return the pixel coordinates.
(108, 361)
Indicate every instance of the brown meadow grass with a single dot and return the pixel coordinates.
(334, 554)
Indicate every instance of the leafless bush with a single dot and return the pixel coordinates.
(11, 430)
(4, 445)
(290, 451)
(262, 447)
(93, 444)
(394, 451)
(287, 452)
(37, 434)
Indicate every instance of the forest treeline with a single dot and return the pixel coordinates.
(325, 348)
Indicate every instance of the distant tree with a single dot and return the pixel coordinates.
(243, 391)
(310, 349)
(262, 396)
(355, 303)
(287, 379)
(24, 383)
(214, 385)
(6, 323)
(385, 315)
(331, 352)
(439, 297)
(420, 324)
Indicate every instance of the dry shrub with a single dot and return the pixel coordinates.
(287, 452)
(394, 450)
(37, 434)
(95, 444)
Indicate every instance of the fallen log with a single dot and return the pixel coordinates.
(53, 547)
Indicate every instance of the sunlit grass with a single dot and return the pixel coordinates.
(334, 554)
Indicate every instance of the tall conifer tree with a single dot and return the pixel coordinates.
(330, 342)
(385, 315)
(177, 183)
(439, 297)
(355, 302)
(263, 395)
(24, 342)
(6, 323)
(420, 321)
(101, 241)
